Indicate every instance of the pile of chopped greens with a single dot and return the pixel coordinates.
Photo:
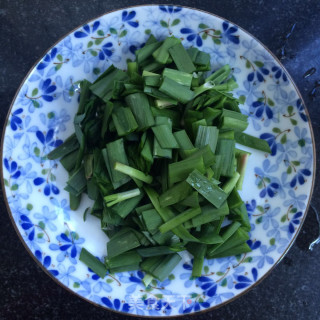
(154, 148)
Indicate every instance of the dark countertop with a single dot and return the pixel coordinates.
(28, 28)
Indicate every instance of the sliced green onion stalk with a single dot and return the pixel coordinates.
(118, 197)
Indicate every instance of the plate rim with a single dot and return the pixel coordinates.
(249, 288)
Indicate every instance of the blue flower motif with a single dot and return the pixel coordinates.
(65, 275)
(301, 110)
(264, 257)
(49, 187)
(295, 220)
(10, 144)
(128, 16)
(260, 72)
(244, 281)
(170, 9)
(88, 293)
(286, 153)
(271, 139)
(254, 244)
(57, 122)
(47, 89)
(304, 139)
(61, 208)
(153, 306)
(229, 33)
(116, 304)
(47, 217)
(208, 285)
(295, 201)
(68, 245)
(251, 206)
(135, 278)
(259, 108)
(68, 90)
(87, 30)
(220, 297)
(17, 210)
(192, 35)
(12, 168)
(106, 51)
(15, 121)
(26, 175)
(268, 217)
(46, 262)
(26, 224)
(187, 276)
(194, 305)
(48, 138)
(47, 59)
(299, 177)
(278, 73)
(270, 185)
(25, 100)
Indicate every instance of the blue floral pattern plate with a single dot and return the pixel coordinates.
(277, 187)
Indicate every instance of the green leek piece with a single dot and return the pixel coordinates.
(165, 267)
(175, 194)
(71, 144)
(152, 220)
(173, 115)
(164, 136)
(161, 55)
(145, 52)
(191, 201)
(227, 232)
(226, 149)
(234, 199)
(242, 160)
(179, 171)
(69, 160)
(231, 183)
(74, 201)
(182, 78)
(106, 117)
(166, 214)
(121, 243)
(159, 152)
(77, 183)
(207, 135)
(252, 142)
(113, 153)
(139, 105)
(93, 263)
(124, 208)
(179, 219)
(233, 120)
(156, 93)
(124, 121)
(155, 251)
(210, 213)
(206, 153)
(199, 252)
(211, 114)
(241, 214)
(132, 172)
(103, 86)
(175, 90)
(113, 199)
(239, 237)
(124, 259)
(207, 188)
(183, 140)
(181, 58)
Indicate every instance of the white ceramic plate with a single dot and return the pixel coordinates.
(277, 186)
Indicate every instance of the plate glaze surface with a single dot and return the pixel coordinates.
(277, 187)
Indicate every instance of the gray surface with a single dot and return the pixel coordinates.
(28, 28)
